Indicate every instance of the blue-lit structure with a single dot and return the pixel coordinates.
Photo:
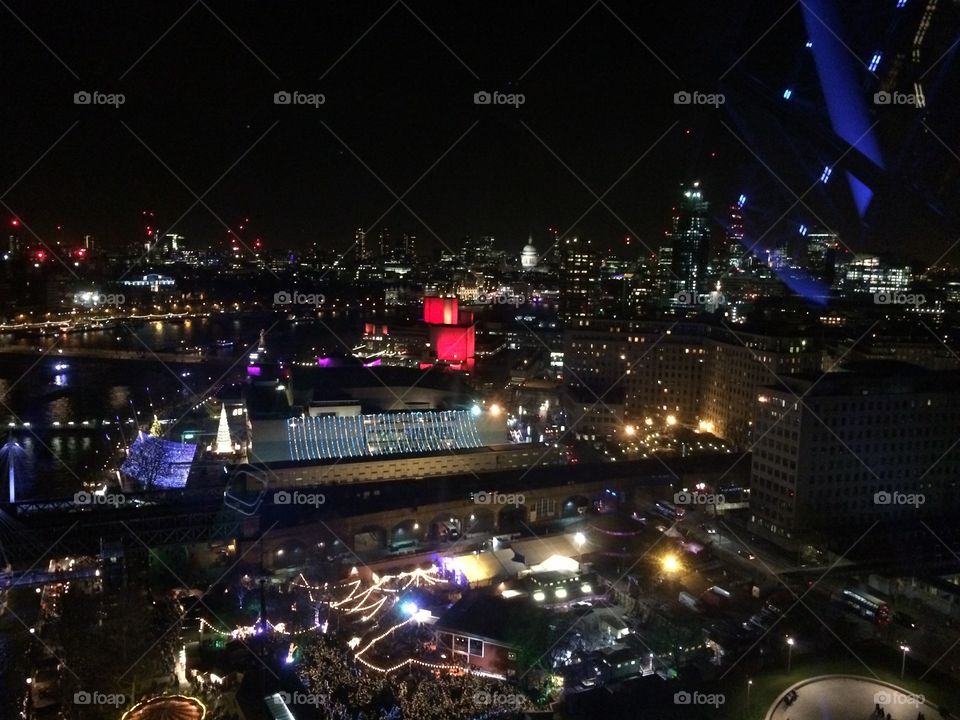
(158, 464)
(845, 101)
(330, 437)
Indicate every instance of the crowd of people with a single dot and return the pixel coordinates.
(351, 691)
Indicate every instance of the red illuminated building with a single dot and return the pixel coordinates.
(440, 310)
(452, 333)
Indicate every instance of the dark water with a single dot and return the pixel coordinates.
(49, 389)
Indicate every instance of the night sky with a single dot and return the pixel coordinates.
(199, 105)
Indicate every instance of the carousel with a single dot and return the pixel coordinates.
(167, 707)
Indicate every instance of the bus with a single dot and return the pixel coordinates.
(669, 510)
(402, 545)
(867, 605)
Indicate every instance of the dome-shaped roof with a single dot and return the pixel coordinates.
(167, 707)
(529, 257)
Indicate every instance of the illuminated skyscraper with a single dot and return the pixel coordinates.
(690, 242)
(360, 243)
(579, 278)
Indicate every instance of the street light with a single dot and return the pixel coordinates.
(789, 653)
(749, 686)
(579, 539)
(670, 564)
(903, 663)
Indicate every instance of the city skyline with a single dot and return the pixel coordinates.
(409, 359)
(313, 173)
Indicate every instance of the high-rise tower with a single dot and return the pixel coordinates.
(690, 242)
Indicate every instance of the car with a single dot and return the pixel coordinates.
(746, 554)
(711, 531)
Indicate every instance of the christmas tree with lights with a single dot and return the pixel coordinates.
(223, 446)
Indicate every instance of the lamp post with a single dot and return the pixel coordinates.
(789, 653)
(903, 663)
(579, 540)
(749, 686)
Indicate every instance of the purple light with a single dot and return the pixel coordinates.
(373, 363)
(253, 371)
(324, 361)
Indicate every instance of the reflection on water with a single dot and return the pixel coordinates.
(53, 391)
